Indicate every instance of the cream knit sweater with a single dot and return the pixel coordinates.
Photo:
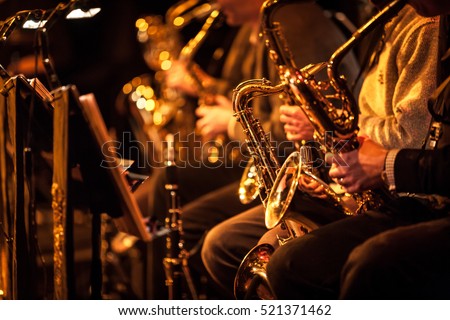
(393, 97)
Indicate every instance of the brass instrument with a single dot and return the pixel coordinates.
(160, 36)
(184, 11)
(249, 184)
(251, 274)
(206, 89)
(258, 142)
(156, 108)
(334, 115)
(332, 110)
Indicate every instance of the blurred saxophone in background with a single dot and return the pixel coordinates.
(153, 105)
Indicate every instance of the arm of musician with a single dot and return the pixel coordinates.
(361, 169)
(395, 114)
(298, 128)
(215, 118)
(413, 170)
(296, 125)
(192, 81)
(312, 187)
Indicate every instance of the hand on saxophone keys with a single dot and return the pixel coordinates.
(312, 187)
(361, 169)
(188, 78)
(178, 78)
(214, 118)
(296, 125)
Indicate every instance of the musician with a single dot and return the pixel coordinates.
(226, 244)
(397, 252)
(247, 59)
(214, 114)
(201, 210)
(410, 262)
(201, 214)
(393, 117)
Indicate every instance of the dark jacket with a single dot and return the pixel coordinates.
(428, 171)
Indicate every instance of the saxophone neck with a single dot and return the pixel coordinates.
(188, 52)
(190, 49)
(183, 12)
(250, 89)
(244, 92)
(386, 14)
(275, 41)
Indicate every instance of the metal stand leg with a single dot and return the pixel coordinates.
(176, 261)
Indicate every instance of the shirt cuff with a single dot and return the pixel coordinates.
(389, 169)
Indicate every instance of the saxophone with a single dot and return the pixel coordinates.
(156, 109)
(332, 110)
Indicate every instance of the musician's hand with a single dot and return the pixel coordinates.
(214, 118)
(178, 77)
(296, 125)
(312, 187)
(361, 169)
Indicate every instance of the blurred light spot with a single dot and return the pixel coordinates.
(166, 64)
(127, 88)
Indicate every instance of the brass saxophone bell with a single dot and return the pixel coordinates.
(283, 190)
(249, 185)
(295, 175)
(252, 277)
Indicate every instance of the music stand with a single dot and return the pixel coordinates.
(24, 107)
(103, 177)
(127, 217)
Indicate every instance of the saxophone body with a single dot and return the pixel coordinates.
(332, 110)
(258, 142)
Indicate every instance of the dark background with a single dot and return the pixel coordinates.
(98, 55)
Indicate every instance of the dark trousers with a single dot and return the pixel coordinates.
(227, 244)
(198, 217)
(310, 267)
(193, 182)
(411, 262)
(204, 213)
